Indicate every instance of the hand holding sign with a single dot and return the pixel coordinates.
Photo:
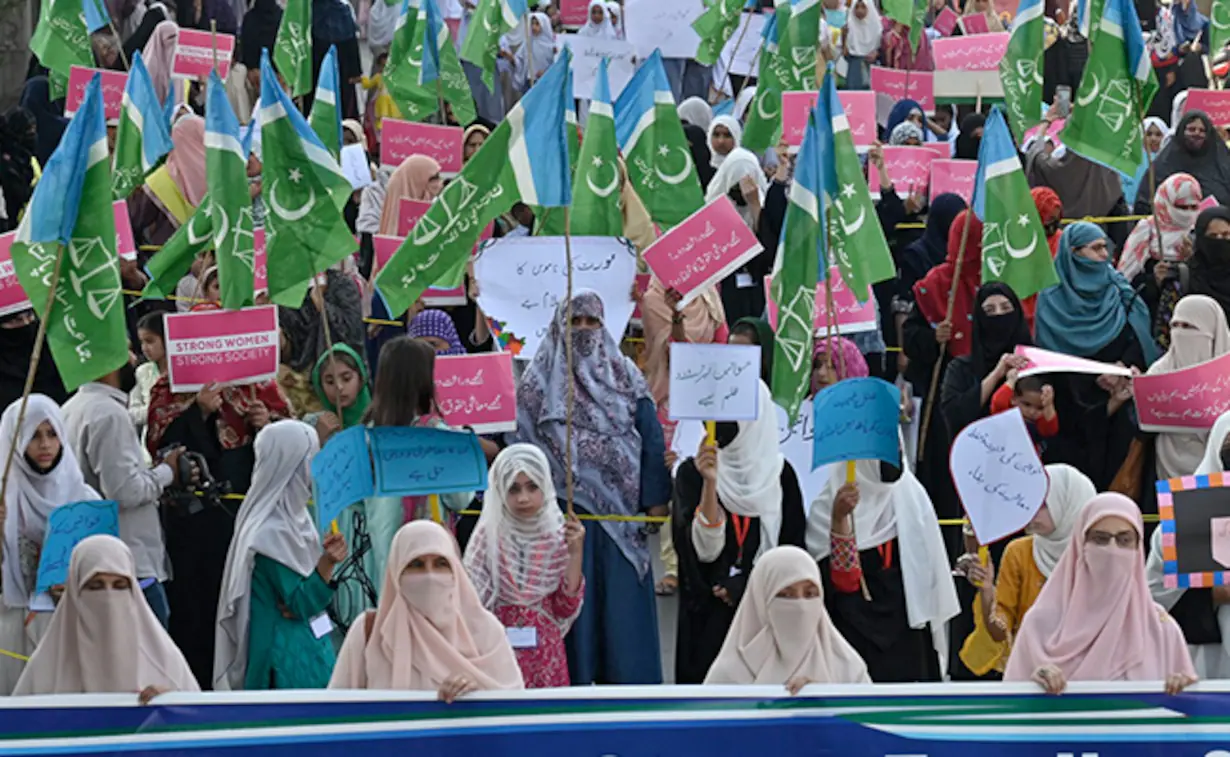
(341, 475)
(715, 382)
(66, 527)
(998, 475)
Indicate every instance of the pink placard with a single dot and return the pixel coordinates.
(477, 391)
(1052, 131)
(410, 211)
(942, 150)
(908, 167)
(1044, 361)
(113, 84)
(12, 297)
(860, 110)
(383, 248)
(125, 242)
(401, 139)
(975, 24)
(918, 86)
(574, 12)
(708, 246)
(946, 22)
(1187, 400)
(1216, 103)
(222, 346)
(981, 52)
(956, 176)
(1208, 202)
(852, 318)
(260, 270)
(194, 54)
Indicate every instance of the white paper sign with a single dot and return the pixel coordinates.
(715, 382)
(355, 166)
(795, 443)
(745, 53)
(587, 52)
(522, 279)
(664, 25)
(998, 475)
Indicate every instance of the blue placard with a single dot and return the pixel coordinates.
(415, 461)
(341, 474)
(68, 525)
(856, 419)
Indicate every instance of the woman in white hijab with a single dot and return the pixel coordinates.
(696, 112)
(881, 533)
(430, 632)
(539, 51)
(45, 475)
(1202, 614)
(741, 176)
(862, 43)
(724, 134)
(615, 13)
(1198, 333)
(103, 637)
(272, 630)
(782, 634)
(525, 561)
(598, 22)
(1025, 566)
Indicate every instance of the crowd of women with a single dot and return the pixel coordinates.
(782, 576)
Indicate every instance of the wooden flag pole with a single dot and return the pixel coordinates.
(755, 63)
(735, 50)
(39, 339)
(213, 41)
(569, 478)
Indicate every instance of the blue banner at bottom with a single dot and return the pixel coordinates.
(917, 720)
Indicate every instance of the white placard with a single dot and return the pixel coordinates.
(664, 25)
(715, 382)
(745, 53)
(355, 166)
(998, 475)
(587, 52)
(522, 279)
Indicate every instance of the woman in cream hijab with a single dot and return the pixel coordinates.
(430, 631)
(103, 637)
(782, 634)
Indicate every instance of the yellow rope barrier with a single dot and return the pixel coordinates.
(14, 655)
(1063, 221)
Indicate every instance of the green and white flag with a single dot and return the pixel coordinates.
(175, 258)
(911, 13)
(305, 233)
(791, 66)
(595, 196)
(655, 149)
(432, 71)
(292, 50)
(797, 45)
(491, 20)
(763, 129)
(715, 27)
(62, 40)
(1117, 87)
(549, 222)
(1014, 245)
(230, 207)
(70, 219)
(401, 72)
(140, 144)
(855, 236)
(1020, 70)
(326, 118)
(1219, 26)
(797, 269)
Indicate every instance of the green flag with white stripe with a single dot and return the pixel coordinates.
(595, 197)
(226, 176)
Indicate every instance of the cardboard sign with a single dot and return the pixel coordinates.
(401, 139)
(573, 12)
(908, 167)
(113, 85)
(13, 298)
(194, 54)
(951, 175)
(341, 475)
(66, 526)
(433, 297)
(260, 265)
(918, 86)
(997, 473)
(715, 382)
(860, 110)
(1216, 103)
(742, 50)
(975, 23)
(705, 248)
(856, 419)
(412, 461)
(1194, 511)
(355, 166)
(946, 22)
(477, 392)
(981, 52)
(942, 150)
(1045, 361)
(125, 242)
(795, 442)
(664, 25)
(224, 346)
(588, 52)
(1191, 399)
(852, 317)
(1053, 130)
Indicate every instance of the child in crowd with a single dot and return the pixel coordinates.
(153, 346)
(380, 103)
(1036, 401)
(340, 382)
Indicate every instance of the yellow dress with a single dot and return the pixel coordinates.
(1016, 589)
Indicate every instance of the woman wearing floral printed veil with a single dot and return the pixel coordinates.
(620, 469)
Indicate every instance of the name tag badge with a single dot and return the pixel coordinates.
(744, 281)
(735, 571)
(523, 638)
(321, 625)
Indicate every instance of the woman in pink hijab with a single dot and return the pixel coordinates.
(430, 631)
(1095, 619)
(158, 55)
(417, 178)
(103, 637)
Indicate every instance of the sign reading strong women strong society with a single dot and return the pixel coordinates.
(222, 346)
(856, 419)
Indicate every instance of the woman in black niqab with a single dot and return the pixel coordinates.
(1205, 158)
